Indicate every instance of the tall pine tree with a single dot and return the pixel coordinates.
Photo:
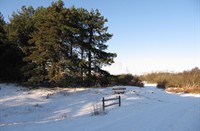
(97, 36)
(21, 27)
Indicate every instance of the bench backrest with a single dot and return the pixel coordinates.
(121, 88)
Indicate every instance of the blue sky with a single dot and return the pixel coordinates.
(149, 35)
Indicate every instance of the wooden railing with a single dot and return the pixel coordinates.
(111, 99)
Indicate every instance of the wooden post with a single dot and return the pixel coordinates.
(103, 104)
(119, 101)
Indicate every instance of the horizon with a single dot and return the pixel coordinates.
(149, 36)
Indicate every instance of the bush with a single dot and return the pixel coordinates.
(97, 110)
(127, 80)
(162, 84)
(193, 90)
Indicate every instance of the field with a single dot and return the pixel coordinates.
(79, 109)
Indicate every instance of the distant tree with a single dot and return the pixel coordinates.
(192, 77)
(128, 80)
(125, 79)
(188, 78)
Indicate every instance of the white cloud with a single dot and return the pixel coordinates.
(118, 68)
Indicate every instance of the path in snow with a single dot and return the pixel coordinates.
(143, 109)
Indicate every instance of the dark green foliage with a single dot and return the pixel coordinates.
(127, 80)
(58, 46)
(10, 56)
(93, 35)
(21, 27)
(48, 48)
(162, 84)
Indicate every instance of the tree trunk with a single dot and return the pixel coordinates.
(82, 59)
(90, 58)
(71, 50)
(89, 67)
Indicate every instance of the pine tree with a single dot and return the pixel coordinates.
(53, 40)
(21, 27)
(45, 39)
(97, 36)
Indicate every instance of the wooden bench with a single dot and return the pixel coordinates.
(119, 90)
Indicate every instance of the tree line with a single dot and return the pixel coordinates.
(55, 45)
(185, 79)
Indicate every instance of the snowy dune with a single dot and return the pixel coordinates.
(143, 109)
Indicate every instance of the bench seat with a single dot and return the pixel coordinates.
(119, 90)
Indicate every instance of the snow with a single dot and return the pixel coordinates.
(62, 109)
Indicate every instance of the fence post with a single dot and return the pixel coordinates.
(103, 104)
(119, 101)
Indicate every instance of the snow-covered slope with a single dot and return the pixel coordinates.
(143, 109)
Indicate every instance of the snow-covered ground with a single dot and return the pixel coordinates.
(143, 109)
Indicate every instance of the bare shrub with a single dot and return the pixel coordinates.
(193, 90)
(97, 110)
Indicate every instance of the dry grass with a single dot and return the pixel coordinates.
(191, 90)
